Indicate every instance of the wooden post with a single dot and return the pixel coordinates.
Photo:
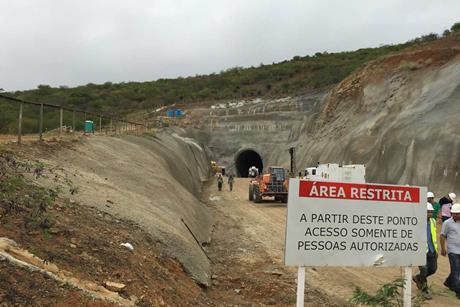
(100, 124)
(61, 120)
(111, 122)
(40, 128)
(73, 122)
(20, 124)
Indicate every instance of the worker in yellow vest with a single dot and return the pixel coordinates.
(431, 254)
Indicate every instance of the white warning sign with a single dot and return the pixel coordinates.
(352, 224)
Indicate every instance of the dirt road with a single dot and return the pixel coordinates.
(246, 252)
(256, 232)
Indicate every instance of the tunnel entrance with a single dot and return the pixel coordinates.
(245, 159)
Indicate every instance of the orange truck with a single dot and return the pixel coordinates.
(274, 183)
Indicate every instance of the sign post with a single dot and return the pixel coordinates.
(355, 225)
(407, 294)
(300, 286)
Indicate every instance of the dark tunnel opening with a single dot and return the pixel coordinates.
(245, 160)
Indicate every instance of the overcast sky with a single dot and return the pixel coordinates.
(75, 42)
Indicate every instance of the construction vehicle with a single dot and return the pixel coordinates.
(355, 173)
(274, 183)
(216, 169)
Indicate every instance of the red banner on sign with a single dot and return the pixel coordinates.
(357, 191)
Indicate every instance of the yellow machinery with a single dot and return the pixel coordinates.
(217, 168)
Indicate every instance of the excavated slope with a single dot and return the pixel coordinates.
(401, 121)
(399, 115)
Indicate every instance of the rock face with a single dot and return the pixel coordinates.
(401, 123)
(398, 115)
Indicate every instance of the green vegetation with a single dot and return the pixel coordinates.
(18, 197)
(290, 77)
(287, 77)
(388, 295)
(455, 27)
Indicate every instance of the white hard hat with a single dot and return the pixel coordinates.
(452, 196)
(455, 208)
(429, 207)
(430, 195)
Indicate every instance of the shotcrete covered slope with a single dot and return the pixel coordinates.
(153, 181)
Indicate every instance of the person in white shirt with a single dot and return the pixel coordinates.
(451, 233)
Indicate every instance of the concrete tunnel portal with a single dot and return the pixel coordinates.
(245, 159)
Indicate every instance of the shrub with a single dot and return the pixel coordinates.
(388, 295)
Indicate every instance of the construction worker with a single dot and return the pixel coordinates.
(451, 232)
(220, 181)
(231, 180)
(431, 254)
(436, 206)
(446, 203)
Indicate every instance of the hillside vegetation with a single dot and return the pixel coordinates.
(290, 77)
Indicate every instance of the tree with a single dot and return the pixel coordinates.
(455, 27)
(429, 37)
(44, 89)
